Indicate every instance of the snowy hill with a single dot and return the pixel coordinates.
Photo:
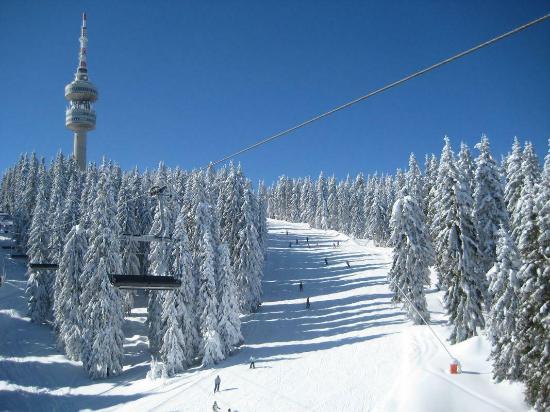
(351, 351)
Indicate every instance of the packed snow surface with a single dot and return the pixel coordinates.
(353, 350)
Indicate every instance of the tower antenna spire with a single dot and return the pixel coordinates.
(80, 116)
(82, 71)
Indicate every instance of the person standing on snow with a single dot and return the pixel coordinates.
(215, 407)
(252, 363)
(301, 286)
(307, 303)
(217, 383)
(326, 262)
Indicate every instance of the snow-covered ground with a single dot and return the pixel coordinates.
(351, 351)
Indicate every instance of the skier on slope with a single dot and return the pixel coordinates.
(301, 286)
(308, 305)
(326, 262)
(217, 383)
(252, 363)
(215, 407)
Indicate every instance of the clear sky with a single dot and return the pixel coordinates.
(188, 82)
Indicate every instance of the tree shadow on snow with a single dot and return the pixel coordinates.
(43, 401)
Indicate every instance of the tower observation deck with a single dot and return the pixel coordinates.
(81, 93)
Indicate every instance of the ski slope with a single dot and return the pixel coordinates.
(351, 351)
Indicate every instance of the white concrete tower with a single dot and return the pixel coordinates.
(80, 116)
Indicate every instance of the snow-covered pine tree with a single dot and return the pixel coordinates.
(262, 217)
(357, 203)
(229, 323)
(344, 217)
(72, 200)
(514, 178)
(332, 204)
(399, 181)
(504, 292)
(87, 196)
(28, 200)
(185, 297)
(414, 181)
(172, 350)
(128, 221)
(211, 347)
(294, 213)
(460, 261)
(20, 217)
(442, 201)
(321, 217)
(466, 165)
(309, 202)
(58, 230)
(231, 194)
(39, 283)
(180, 337)
(377, 225)
(430, 177)
(159, 260)
(489, 208)
(67, 310)
(101, 304)
(412, 256)
(249, 257)
(538, 379)
(530, 167)
(533, 343)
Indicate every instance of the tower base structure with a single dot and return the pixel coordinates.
(79, 151)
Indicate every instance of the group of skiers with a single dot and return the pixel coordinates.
(216, 408)
(301, 289)
(218, 381)
(252, 360)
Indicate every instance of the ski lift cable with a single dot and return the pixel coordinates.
(351, 103)
(381, 90)
(425, 321)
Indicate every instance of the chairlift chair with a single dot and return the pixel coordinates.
(18, 256)
(40, 265)
(144, 282)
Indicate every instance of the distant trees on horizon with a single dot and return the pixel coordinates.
(485, 229)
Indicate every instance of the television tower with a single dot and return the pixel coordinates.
(81, 93)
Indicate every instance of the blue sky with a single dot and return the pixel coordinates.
(189, 82)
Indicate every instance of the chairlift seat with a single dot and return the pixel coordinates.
(18, 256)
(51, 266)
(145, 282)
